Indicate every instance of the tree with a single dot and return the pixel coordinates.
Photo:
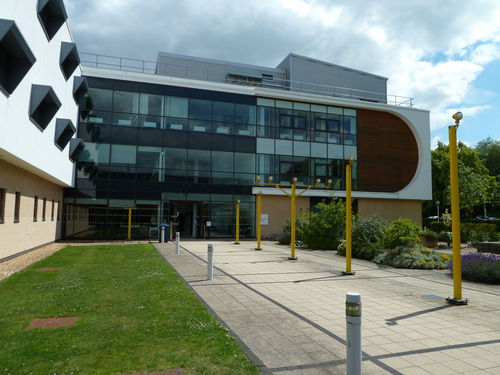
(489, 153)
(477, 187)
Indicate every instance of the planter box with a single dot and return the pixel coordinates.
(429, 242)
(488, 247)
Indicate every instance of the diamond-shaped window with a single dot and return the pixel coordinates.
(76, 146)
(44, 104)
(16, 58)
(80, 88)
(52, 15)
(69, 59)
(64, 132)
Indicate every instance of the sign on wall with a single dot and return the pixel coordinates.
(264, 219)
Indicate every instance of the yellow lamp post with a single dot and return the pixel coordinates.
(237, 242)
(258, 219)
(293, 199)
(348, 218)
(455, 215)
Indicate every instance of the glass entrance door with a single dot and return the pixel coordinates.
(185, 218)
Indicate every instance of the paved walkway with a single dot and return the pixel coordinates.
(290, 315)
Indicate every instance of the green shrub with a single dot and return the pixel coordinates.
(478, 232)
(446, 236)
(416, 256)
(324, 229)
(437, 226)
(401, 232)
(429, 234)
(300, 221)
(284, 239)
(366, 235)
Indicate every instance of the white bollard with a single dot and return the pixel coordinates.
(177, 243)
(210, 262)
(353, 319)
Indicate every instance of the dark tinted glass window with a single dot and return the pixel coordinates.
(349, 125)
(124, 101)
(333, 123)
(223, 112)
(122, 154)
(200, 109)
(198, 159)
(148, 157)
(244, 162)
(175, 158)
(266, 116)
(2, 205)
(102, 99)
(17, 207)
(245, 113)
(151, 105)
(176, 107)
(222, 161)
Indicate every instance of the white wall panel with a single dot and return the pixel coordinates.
(19, 137)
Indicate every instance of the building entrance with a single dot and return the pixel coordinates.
(186, 218)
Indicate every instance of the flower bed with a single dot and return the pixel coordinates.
(416, 256)
(483, 268)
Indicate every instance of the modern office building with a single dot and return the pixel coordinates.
(182, 139)
(40, 87)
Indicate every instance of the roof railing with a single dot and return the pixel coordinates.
(185, 71)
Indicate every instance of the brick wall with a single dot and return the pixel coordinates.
(278, 209)
(17, 237)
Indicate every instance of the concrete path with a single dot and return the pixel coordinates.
(290, 315)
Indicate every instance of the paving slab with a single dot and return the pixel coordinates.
(289, 316)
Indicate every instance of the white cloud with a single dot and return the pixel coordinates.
(429, 50)
(434, 141)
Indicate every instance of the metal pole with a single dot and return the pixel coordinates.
(292, 224)
(353, 332)
(258, 219)
(210, 262)
(455, 220)
(237, 242)
(129, 232)
(348, 220)
(177, 243)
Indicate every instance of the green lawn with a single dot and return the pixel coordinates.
(135, 314)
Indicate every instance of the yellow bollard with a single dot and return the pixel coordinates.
(455, 216)
(293, 197)
(259, 214)
(237, 242)
(348, 219)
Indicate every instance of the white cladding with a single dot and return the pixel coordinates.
(21, 141)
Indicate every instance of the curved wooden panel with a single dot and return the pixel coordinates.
(387, 152)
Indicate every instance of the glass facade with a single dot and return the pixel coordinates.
(186, 155)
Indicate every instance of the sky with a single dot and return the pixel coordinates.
(443, 53)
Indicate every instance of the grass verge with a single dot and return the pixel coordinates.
(134, 314)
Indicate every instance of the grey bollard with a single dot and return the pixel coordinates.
(177, 243)
(353, 319)
(162, 234)
(210, 262)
